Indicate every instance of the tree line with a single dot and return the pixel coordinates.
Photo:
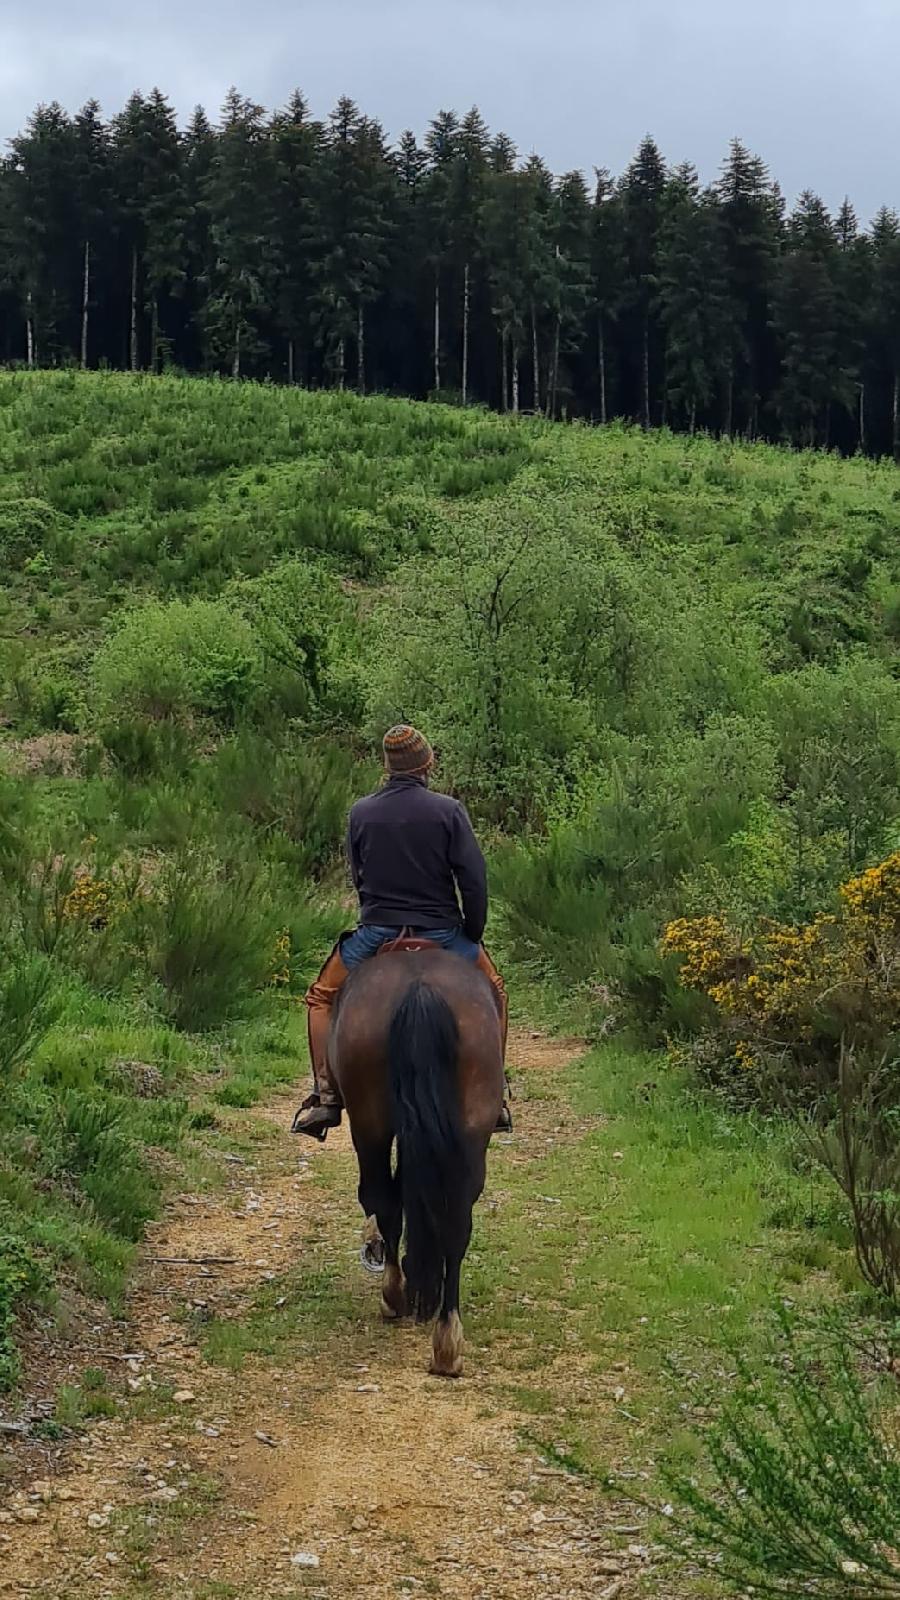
(313, 252)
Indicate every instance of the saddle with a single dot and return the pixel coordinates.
(408, 944)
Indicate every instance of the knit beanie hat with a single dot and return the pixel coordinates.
(407, 753)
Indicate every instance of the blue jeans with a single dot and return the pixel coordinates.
(367, 941)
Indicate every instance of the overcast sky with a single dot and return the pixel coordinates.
(809, 84)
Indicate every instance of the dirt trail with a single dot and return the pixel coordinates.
(352, 1474)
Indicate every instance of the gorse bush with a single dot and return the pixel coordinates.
(28, 1007)
(803, 1489)
(209, 934)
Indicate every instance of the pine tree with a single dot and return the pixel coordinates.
(608, 273)
(805, 316)
(693, 295)
(353, 227)
(442, 148)
(297, 142)
(541, 278)
(92, 178)
(198, 154)
(886, 311)
(570, 269)
(43, 254)
(512, 236)
(855, 287)
(641, 192)
(751, 214)
(148, 177)
(240, 196)
(467, 202)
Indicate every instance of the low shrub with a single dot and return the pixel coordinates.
(174, 660)
(208, 935)
(803, 1494)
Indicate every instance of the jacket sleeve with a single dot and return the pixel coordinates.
(351, 853)
(470, 873)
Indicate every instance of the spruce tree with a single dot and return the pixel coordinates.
(641, 191)
(151, 202)
(805, 316)
(297, 140)
(855, 288)
(511, 236)
(886, 312)
(693, 296)
(608, 274)
(442, 148)
(92, 179)
(571, 272)
(350, 243)
(751, 215)
(241, 196)
(44, 255)
(467, 202)
(198, 154)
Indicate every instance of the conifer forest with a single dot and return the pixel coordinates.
(314, 252)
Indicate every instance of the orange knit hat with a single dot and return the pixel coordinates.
(407, 753)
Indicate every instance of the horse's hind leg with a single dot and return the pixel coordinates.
(447, 1342)
(379, 1196)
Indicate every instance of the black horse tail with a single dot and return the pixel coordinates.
(423, 1044)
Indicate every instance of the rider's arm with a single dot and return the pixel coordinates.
(470, 873)
(351, 854)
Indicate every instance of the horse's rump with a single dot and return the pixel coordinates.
(365, 1009)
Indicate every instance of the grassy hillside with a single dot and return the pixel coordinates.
(662, 672)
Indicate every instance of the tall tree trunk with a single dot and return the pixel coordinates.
(29, 330)
(504, 374)
(236, 356)
(361, 348)
(895, 415)
(693, 418)
(729, 404)
(341, 362)
(133, 325)
(437, 331)
(290, 360)
(85, 303)
(535, 361)
(645, 375)
(862, 419)
(515, 378)
(553, 381)
(465, 337)
(754, 416)
(601, 362)
(154, 335)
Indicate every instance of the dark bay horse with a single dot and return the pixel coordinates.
(416, 1049)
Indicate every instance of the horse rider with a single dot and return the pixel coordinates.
(418, 870)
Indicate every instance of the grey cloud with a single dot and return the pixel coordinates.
(810, 84)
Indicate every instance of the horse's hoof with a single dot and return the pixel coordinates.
(453, 1371)
(447, 1347)
(372, 1257)
(390, 1313)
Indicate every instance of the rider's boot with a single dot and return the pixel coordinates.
(322, 1109)
(501, 1000)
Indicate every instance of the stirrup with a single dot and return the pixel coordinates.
(320, 1118)
(504, 1122)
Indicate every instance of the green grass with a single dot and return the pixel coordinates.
(669, 1231)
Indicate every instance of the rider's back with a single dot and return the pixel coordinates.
(409, 848)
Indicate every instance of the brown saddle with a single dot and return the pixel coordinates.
(409, 945)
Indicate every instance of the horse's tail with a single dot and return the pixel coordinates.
(422, 1049)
